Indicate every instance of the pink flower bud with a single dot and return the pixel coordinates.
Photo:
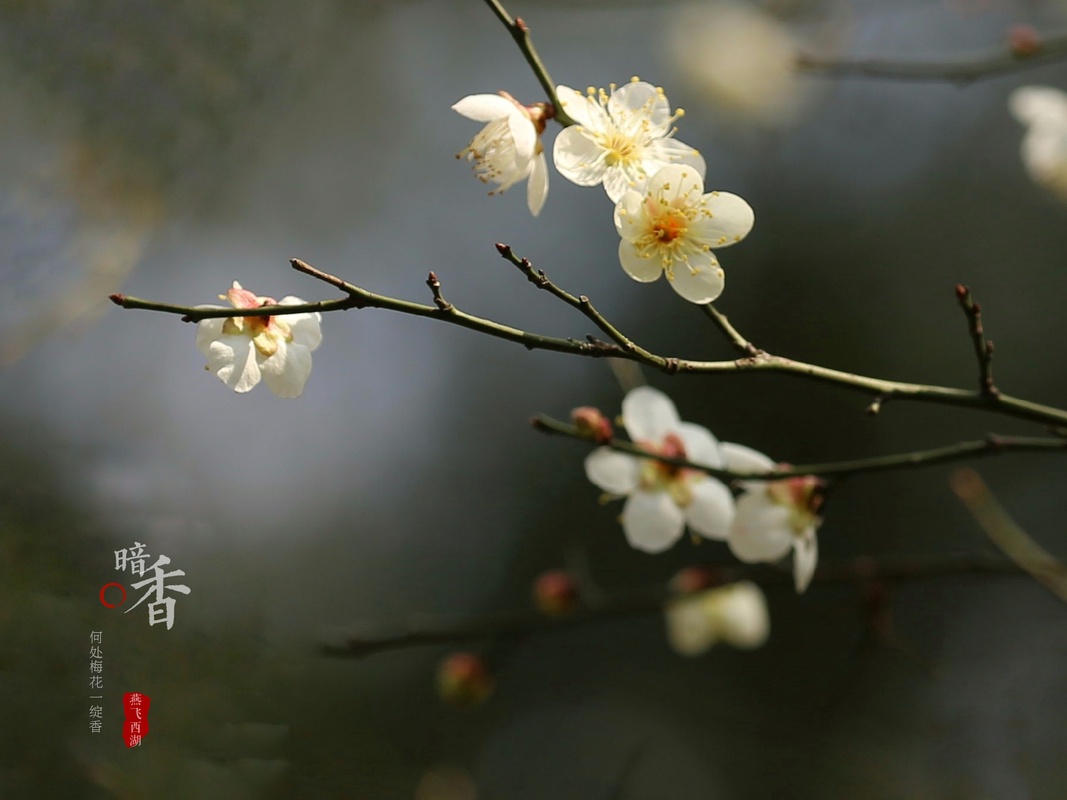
(463, 680)
(592, 424)
(692, 580)
(1024, 41)
(555, 593)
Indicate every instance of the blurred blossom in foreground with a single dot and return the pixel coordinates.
(738, 58)
(735, 614)
(276, 349)
(1044, 149)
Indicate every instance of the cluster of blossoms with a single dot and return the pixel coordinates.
(624, 141)
(767, 521)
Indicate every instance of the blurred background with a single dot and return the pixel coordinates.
(165, 150)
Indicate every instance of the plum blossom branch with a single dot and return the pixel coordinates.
(622, 347)
(998, 61)
(861, 571)
(990, 446)
(520, 32)
(983, 348)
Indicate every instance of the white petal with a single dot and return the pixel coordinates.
(207, 331)
(701, 447)
(739, 458)
(578, 157)
(1039, 105)
(761, 530)
(671, 151)
(699, 281)
(617, 182)
(731, 220)
(805, 557)
(711, 512)
(636, 265)
(287, 370)
(484, 107)
(577, 107)
(233, 359)
(306, 328)
(690, 629)
(643, 106)
(745, 621)
(524, 135)
(651, 521)
(614, 472)
(676, 180)
(537, 188)
(649, 414)
(630, 215)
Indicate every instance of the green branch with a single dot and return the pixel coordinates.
(520, 32)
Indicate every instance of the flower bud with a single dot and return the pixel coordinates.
(1024, 41)
(556, 593)
(592, 424)
(463, 680)
(692, 580)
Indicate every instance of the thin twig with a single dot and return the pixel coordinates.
(723, 324)
(986, 64)
(990, 446)
(983, 348)
(882, 390)
(520, 32)
(651, 601)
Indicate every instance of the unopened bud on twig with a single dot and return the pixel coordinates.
(463, 680)
(556, 593)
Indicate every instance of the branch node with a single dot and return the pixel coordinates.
(875, 406)
(438, 299)
(671, 365)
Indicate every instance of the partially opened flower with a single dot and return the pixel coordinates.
(620, 140)
(661, 498)
(508, 149)
(735, 614)
(1044, 149)
(774, 517)
(671, 226)
(276, 348)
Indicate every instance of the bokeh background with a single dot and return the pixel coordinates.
(164, 150)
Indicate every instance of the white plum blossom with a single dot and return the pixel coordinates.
(276, 349)
(671, 226)
(735, 614)
(1044, 149)
(740, 58)
(774, 517)
(508, 149)
(661, 498)
(620, 139)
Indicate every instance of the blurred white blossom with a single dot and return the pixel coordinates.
(620, 139)
(739, 58)
(508, 149)
(276, 349)
(735, 614)
(671, 226)
(661, 499)
(1044, 149)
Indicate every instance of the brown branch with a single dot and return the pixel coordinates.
(997, 61)
(983, 348)
(990, 446)
(528, 623)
